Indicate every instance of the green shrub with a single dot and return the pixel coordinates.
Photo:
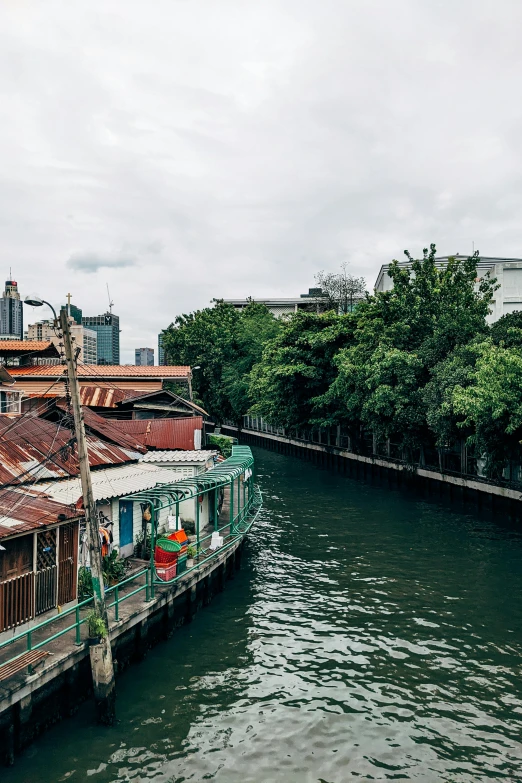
(113, 567)
(85, 588)
(223, 442)
(96, 626)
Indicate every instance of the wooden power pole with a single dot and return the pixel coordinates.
(101, 654)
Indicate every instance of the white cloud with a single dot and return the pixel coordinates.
(92, 262)
(184, 151)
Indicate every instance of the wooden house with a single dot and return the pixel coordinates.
(38, 555)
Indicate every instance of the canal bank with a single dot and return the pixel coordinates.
(45, 666)
(369, 634)
(503, 498)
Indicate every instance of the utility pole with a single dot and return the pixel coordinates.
(101, 654)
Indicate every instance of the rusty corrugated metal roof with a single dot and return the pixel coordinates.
(106, 429)
(100, 371)
(99, 397)
(163, 433)
(26, 443)
(22, 512)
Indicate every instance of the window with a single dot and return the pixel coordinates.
(10, 401)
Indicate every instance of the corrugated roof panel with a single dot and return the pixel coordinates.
(28, 442)
(112, 483)
(178, 456)
(163, 433)
(105, 428)
(22, 511)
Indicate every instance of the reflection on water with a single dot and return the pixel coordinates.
(367, 636)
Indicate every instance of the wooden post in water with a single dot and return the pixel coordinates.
(101, 654)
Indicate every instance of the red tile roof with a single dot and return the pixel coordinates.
(163, 433)
(22, 511)
(24, 345)
(103, 371)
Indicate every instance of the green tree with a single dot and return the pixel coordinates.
(401, 335)
(507, 331)
(491, 405)
(457, 369)
(225, 343)
(297, 367)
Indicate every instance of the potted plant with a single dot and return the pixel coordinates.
(96, 628)
(113, 567)
(191, 554)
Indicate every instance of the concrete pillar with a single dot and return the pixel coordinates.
(103, 682)
(140, 640)
(10, 744)
(221, 577)
(70, 698)
(191, 604)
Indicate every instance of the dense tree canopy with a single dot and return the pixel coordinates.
(401, 336)
(224, 343)
(298, 366)
(417, 364)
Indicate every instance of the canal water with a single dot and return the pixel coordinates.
(368, 636)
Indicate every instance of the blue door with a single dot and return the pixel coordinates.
(126, 539)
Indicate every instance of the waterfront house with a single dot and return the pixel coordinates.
(160, 404)
(187, 464)
(124, 520)
(38, 555)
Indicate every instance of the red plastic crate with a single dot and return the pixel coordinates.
(166, 572)
(180, 536)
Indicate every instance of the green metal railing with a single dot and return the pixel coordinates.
(224, 474)
(78, 619)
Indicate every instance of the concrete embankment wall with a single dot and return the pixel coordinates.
(65, 682)
(456, 489)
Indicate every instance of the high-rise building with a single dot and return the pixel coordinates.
(161, 350)
(107, 327)
(74, 312)
(11, 313)
(85, 339)
(144, 357)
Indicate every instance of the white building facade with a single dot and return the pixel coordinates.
(85, 339)
(507, 271)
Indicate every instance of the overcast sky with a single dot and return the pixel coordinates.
(181, 150)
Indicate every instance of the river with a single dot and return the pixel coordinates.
(369, 636)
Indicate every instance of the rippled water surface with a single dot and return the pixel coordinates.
(367, 636)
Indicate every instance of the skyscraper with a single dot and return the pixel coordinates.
(11, 313)
(107, 327)
(75, 313)
(144, 356)
(161, 350)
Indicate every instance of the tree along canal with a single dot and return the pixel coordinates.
(368, 635)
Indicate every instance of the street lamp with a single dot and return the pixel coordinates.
(35, 301)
